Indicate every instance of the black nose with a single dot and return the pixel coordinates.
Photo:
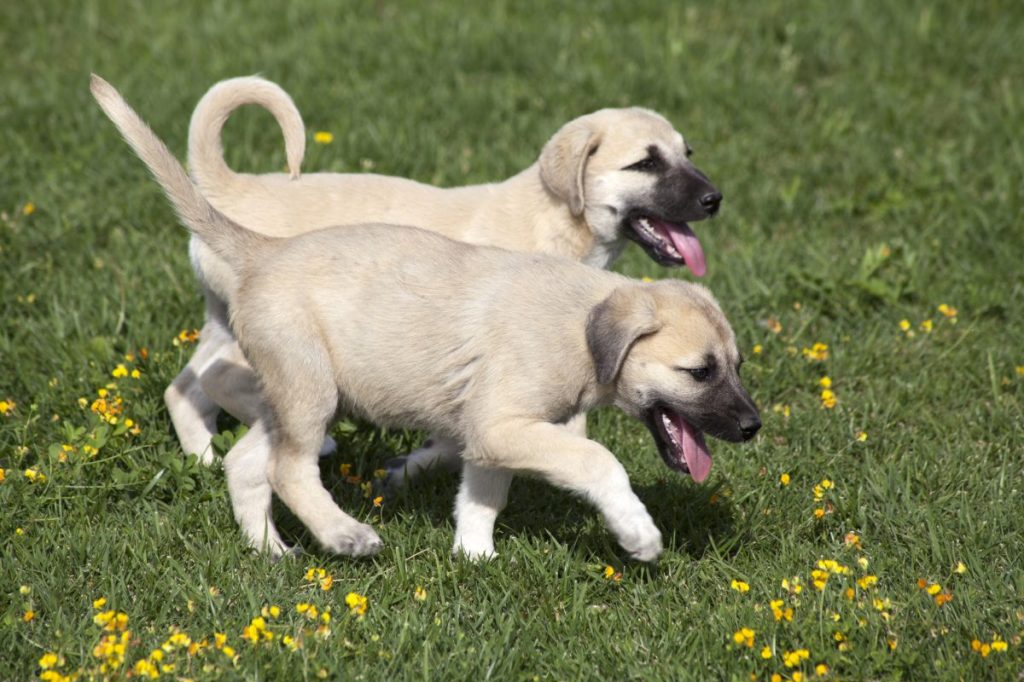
(711, 201)
(749, 426)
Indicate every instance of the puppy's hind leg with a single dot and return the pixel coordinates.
(302, 408)
(437, 453)
(231, 381)
(193, 412)
(245, 468)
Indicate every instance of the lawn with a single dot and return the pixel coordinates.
(871, 238)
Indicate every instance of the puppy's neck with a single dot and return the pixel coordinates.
(552, 226)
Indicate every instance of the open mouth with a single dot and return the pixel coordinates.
(680, 444)
(669, 243)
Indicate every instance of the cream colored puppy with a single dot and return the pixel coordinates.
(612, 175)
(495, 350)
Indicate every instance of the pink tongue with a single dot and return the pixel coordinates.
(687, 244)
(695, 450)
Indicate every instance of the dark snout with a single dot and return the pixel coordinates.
(750, 424)
(736, 418)
(686, 194)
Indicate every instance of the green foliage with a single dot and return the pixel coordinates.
(871, 161)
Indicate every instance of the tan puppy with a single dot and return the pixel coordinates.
(495, 350)
(606, 177)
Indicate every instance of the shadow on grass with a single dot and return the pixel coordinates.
(691, 518)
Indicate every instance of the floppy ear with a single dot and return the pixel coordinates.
(614, 325)
(563, 163)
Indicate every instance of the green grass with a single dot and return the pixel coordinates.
(871, 159)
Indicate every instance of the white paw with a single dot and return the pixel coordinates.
(353, 539)
(474, 549)
(638, 535)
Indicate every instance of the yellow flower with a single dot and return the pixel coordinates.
(867, 582)
(28, 615)
(34, 475)
(48, 660)
(863, 562)
(947, 310)
(420, 594)
(821, 670)
(819, 513)
(816, 353)
(757, 349)
(323, 137)
(926, 326)
(356, 603)
(740, 586)
(378, 501)
(961, 568)
(825, 382)
(136, 374)
(779, 612)
(794, 586)
(998, 644)
(646, 280)
(784, 479)
(766, 653)
(744, 636)
(797, 676)
(228, 651)
(119, 371)
(985, 650)
(784, 410)
(3, 474)
(828, 399)
(29, 208)
(24, 590)
(791, 659)
(819, 579)
(933, 589)
(7, 406)
(219, 640)
(905, 325)
(776, 677)
(862, 436)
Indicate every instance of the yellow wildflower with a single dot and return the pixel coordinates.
(947, 311)
(779, 612)
(825, 382)
(862, 436)
(323, 137)
(863, 563)
(420, 594)
(819, 513)
(766, 653)
(740, 586)
(119, 371)
(998, 644)
(794, 586)
(867, 582)
(7, 406)
(961, 568)
(744, 636)
(926, 326)
(851, 539)
(48, 660)
(905, 325)
(816, 353)
(99, 603)
(784, 410)
(25, 590)
(933, 589)
(776, 677)
(29, 208)
(378, 501)
(757, 349)
(821, 670)
(136, 374)
(3, 474)
(356, 603)
(791, 659)
(819, 579)
(784, 479)
(828, 399)
(34, 475)
(28, 615)
(1020, 370)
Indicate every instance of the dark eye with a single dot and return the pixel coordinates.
(644, 165)
(700, 373)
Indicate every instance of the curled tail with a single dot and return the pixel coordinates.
(205, 153)
(229, 240)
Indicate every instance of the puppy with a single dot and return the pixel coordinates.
(612, 175)
(496, 350)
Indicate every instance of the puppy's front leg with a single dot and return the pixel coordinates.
(569, 461)
(482, 496)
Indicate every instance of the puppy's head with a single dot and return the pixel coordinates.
(670, 355)
(628, 173)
